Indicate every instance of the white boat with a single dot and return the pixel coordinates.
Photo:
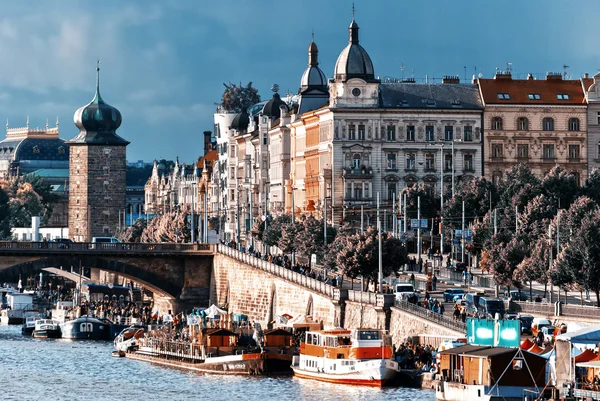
(361, 356)
(18, 307)
(29, 324)
(46, 328)
(129, 339)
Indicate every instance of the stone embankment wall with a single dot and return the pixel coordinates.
(261, 296)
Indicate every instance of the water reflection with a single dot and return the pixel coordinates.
(33, 369)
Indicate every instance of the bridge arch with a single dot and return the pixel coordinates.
(154, 282)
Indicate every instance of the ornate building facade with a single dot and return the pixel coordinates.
(97, 164)
(541, 123)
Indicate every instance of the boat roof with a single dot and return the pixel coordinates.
(468, 348)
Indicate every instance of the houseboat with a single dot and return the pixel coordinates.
(46, 328)
(86, 328)
(484, 373)
(19, 306)
(361, 356)
(217, 351)
(29, 324)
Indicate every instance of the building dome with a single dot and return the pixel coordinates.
(98, 121)
(354, 61)
(272, 108)
(313, 77)
(241, 121)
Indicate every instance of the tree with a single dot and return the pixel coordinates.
(536, 267)
(360, 255)
(169, 227)
(239, 98)
(132, 233)
(519, 187)
(479, 194)
(288, 242)
(273, 233)
(5, 232)
(560, 187)
(430, 205)
(534, 221)
(591, 188)
(310, 238)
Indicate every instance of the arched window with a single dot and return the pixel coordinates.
(496, 123)
(573, 124)
(548, 124)
(523, 124)
(356, 160)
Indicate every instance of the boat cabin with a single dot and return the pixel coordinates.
(99, 292)
(277, 338)
(18, 300)
(346, 344)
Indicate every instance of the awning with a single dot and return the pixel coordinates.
(585, 356)
(526, 344)
(588, 336)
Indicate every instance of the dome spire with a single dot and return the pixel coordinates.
(313, 53)
(353, 28)
(97, 97)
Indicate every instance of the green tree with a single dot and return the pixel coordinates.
(591, 188)
(560, 187)
(273, 233)
(430, 204)
(311, 240)
(518, 188)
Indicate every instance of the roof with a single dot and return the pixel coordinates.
(430, 96)
(52, 172)
(587, 335)
(592, 364)
(519, 91)
(53, 148)
(354, 61)
(491, 352)
(463, 349)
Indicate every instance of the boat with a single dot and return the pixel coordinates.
(361, 357)
(46, 328)
(86, 328)
(19, 306)
(218, 352)
(29, 324)
(129, 339)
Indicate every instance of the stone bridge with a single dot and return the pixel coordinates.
(177, 274)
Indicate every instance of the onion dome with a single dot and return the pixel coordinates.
(240, 122)
(98, 121)
(313, 77)
(272, 108)
(354, 61)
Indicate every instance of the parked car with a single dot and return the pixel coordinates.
(548, 332)
(538, 324)
(489, 307)
(404, 290)
(64, 243)
(515, 295)
(526, 321)
(450, 293)
(472, 302)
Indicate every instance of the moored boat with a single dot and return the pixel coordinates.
(361, 357)
(86, 328)
(29, 325)
(46, 328)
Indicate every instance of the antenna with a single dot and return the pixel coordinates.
(353, 10)
(509, 67)
(465, 67)
(402, 69)
(565, 69)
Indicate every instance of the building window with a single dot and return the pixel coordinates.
(496, 123)
(361, 132)
(522, 151)
(352, 131)
(503, 96)
(391, 133)
(447, 162)
(356, 161)
(562, 96)
(231, 195)
(468, 136)
(573, 124)
(534, 96)
(523, 124)
(598, 116)
(392, 191)
(232, 151)
(548, 150)
(577, 178)
(265, 139)
(429, 161)
(410, 161)
(468, 162)
(448, 133)
(410, 133)
(348, 190)
(574, 152)
(232, 173)
(429, 133)
(391, 161)
(548, 124)
(497, 151)
(358, 191)
(497, 177)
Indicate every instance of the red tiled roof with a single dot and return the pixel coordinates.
(520, 89)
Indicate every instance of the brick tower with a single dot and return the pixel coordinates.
(97, 163)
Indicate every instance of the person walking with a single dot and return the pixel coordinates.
(434, 282)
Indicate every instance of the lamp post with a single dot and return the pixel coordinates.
(193, 223)
(442, 199)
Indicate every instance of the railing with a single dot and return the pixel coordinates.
(442, 320)
(592, 312)
(119, 247)
(176, 349)
(362, 297)
(305, 281)
(540, 308)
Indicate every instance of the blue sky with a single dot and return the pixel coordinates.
(164, 62)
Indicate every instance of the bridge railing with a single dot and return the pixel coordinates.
(280, 271)
(437, 318)
(68, 247)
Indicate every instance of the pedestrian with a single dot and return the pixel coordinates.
(465, 276)
(412, 279)
(420, 265)
(434, 282)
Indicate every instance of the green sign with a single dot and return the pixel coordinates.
(494, 333)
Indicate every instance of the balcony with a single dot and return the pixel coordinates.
(363, 172)
(549, 160)
(574, 160)
(497, 158)
(429, 169)
(391, 168)
(469, 169)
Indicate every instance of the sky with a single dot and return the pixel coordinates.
(164, 62)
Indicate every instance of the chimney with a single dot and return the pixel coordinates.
(553, 76)
(451, 79)
(586, 75)
(207, 142)
(530, 77)
(503, 75)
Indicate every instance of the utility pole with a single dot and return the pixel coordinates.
(325, 222)
(418, 228)
(205, 214)
(463, 236)
(495, 222)
(398, 221)
(405, 216)
(251, 212)
(193, 225)
(362, 219)
(266, 219)
(550, 262)
(442, 199)
(558, 233)
(452, 160)
(516, 218)
(394, 219)
(380, 276)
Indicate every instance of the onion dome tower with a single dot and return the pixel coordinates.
(97, 166)
(313, 91)
(272, 107)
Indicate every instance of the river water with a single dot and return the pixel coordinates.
(33, 369)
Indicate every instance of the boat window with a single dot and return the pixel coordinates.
(308, 338)
(369, 335)
(315, 340)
